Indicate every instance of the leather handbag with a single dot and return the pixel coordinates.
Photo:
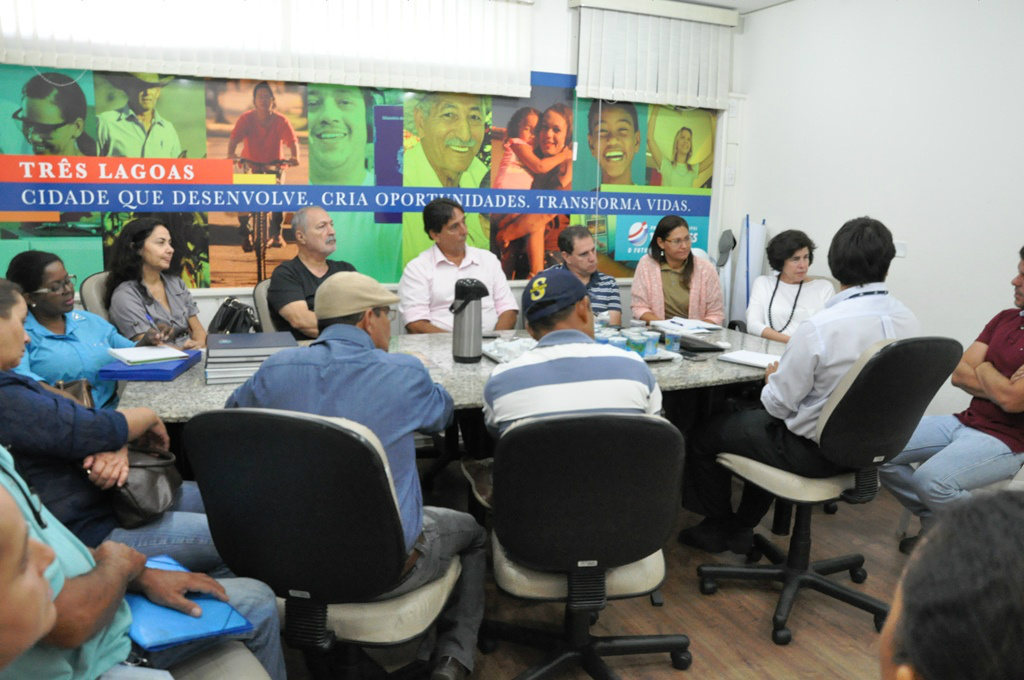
(152, 482)
(77, 390)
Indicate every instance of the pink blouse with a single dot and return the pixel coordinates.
(706, 303)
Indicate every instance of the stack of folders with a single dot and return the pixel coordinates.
(231, 358)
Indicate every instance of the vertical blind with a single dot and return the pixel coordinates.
(657, 60)
(478, 46)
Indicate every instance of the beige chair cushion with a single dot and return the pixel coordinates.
(228, 660)
(630, 580)
(394, 621)
(786, 484)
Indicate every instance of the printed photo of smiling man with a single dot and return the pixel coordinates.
(340, 134)
(614, 136)
(448, 132)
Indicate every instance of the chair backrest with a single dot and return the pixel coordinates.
(594, 490)
(259, 298)
(301, 502)
(874, 410)
(92, 292)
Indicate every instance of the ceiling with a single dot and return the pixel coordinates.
(741, 6)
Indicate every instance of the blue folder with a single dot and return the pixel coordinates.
(159, 371)
(155, 627)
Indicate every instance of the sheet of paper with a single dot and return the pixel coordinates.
(748, 358)
(146, 355)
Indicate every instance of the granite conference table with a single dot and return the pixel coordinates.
(180, 399)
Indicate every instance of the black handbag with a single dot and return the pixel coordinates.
(152, 482)
(234, 316)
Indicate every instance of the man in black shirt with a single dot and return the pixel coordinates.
(293, 284)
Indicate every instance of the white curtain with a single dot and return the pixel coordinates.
(478, 46)
(657, 60)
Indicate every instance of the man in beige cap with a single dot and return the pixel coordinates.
(137, 130)
(348, 373)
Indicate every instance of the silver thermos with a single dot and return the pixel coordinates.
(466, 329)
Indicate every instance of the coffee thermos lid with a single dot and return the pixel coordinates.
(470, 289)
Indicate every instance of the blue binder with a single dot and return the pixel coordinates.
(162, 371)
(155, 627)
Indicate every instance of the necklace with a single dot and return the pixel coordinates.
(791, 312)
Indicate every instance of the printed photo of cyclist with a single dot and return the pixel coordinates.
(48, 112)
(262, 126)
(150, 115)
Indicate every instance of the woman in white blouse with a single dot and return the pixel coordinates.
(779, 302)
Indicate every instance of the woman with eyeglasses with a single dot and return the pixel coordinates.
(52, 116)
(64, 343)
(670, 282)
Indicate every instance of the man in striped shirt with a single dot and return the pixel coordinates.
(579, 252)
(567, 372)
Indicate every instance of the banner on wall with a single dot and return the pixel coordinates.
(227, 162)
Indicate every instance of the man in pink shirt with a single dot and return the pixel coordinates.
(427, 288)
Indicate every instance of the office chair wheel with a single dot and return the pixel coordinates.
(486, 645)
(782, 636)
(594, 616)
(754, 555)
(879, 622)
(681, 660)
(708, 586)
(858, 575)
(831, 508)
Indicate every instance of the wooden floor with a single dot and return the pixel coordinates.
(730, 631)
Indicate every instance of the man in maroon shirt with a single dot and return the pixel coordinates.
(979, 446)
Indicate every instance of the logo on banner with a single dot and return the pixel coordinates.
(638, 233)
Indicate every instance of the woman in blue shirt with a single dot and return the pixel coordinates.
(65, 344)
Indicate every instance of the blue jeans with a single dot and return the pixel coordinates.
(447, 533)
(953, 460)
(256, 602)
(182, 532)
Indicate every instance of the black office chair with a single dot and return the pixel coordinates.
(867, 420)
(307, 505)
(582, 506)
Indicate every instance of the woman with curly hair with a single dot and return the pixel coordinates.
(143, 294)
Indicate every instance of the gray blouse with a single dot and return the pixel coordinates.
(132, 302)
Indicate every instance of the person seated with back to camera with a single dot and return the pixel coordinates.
(65, 343)
(958, 610)
(293, 284)
(780, 302)
(347, 372)
(979, 446)
(782, 434)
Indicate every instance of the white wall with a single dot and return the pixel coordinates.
(905, 111)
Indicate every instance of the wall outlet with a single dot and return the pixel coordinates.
(901, 248)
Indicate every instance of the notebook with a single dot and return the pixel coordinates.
(248, 344)
(155, 627)
(161, 371)
(146, 355)
(748, 358)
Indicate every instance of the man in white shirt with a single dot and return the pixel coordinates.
(427, 288)
(819, 354)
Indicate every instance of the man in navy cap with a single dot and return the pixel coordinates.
(567, 371)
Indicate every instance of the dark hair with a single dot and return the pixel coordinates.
(125, 258)
(785, 244)
(264, 85)
(550, 179)
(963, 602)
(1022, 253)
(438, 213)
(546, 323)
(666, 226)
(68, 97)
(26, 268)
(598, 104)
(567, 239)
(10, 293)
(516, 121)
(861, 252)
(348, 320)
